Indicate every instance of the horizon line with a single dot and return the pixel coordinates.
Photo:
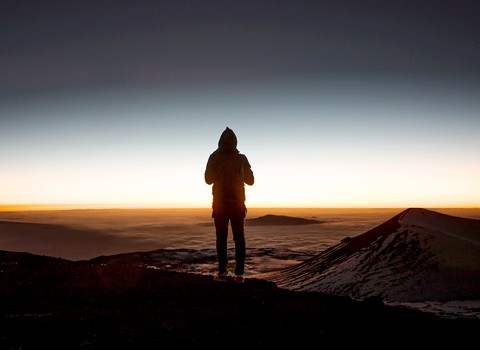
(31, 207)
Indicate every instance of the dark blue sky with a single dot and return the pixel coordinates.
(49, 45)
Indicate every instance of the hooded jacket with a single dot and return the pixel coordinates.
(228, 170)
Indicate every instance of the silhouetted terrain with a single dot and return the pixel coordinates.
(55, 303)
(271, 219)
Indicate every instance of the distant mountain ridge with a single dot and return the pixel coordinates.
(276, 220)
(418, 255)
(271, 219)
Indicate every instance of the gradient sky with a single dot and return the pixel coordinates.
(335, 103)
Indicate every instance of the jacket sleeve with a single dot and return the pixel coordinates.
(248, 177)
(209, 172)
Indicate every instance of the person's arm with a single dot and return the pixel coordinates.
(248, 177)
(209, 173)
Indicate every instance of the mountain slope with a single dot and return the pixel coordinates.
(417, 255)
(54, 303)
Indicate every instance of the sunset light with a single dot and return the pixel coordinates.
(118, 153)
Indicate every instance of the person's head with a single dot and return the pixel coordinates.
(228, 140)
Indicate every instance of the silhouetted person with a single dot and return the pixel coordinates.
(229, 170)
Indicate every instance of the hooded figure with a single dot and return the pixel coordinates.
(229, 170)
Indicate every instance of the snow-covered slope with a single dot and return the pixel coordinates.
(417, 256)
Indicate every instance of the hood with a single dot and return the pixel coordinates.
(228, 139)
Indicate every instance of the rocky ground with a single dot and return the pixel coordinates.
(54, 303)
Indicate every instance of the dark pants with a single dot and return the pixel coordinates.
(221, 227)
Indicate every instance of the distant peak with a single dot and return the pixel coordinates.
(415, 212)
(271, 219)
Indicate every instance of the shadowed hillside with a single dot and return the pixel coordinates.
(59, 304)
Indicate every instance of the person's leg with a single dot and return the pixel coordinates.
(240, 246)
(221, 229)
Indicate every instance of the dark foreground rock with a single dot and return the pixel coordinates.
(54, 303)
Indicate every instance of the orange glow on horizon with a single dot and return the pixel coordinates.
(46, 207)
